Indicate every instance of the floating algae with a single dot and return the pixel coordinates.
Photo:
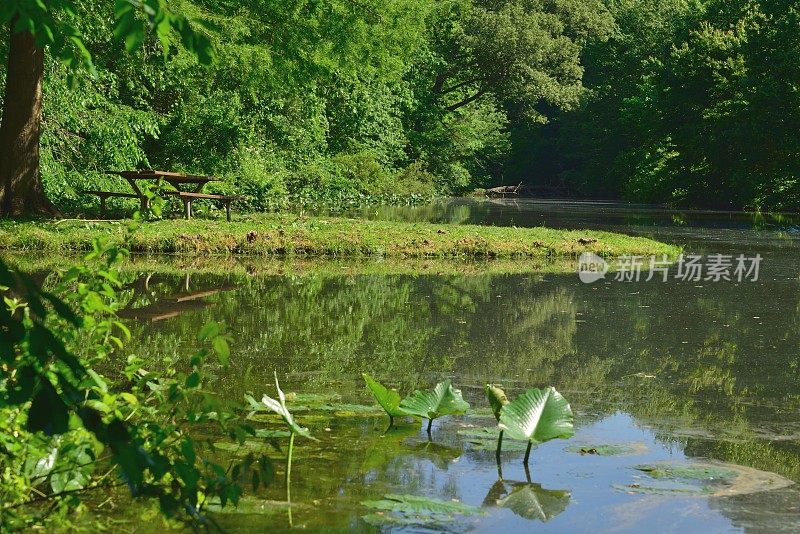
(706, 479)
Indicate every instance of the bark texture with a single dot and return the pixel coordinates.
(21, 191)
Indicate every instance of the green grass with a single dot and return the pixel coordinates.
(296, 235)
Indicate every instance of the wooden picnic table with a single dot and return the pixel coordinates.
(176, 179)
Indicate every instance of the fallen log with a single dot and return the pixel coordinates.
(505, 190)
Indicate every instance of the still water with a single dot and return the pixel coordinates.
(693, 373)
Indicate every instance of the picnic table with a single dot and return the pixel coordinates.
(193, 185)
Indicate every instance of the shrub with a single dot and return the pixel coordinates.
(260, 177)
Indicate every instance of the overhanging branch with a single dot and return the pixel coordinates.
(466, 101)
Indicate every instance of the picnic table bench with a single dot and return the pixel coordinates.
(175, 179)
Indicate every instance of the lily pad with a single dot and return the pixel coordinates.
(491, 432)
(272, 417)
(350, 410)
(382, 519)
(508, 445)
(607, 449)
(412, 510)
(703, 472)
(485, 439)
(682, 490)
(703, 479)
(311, 399)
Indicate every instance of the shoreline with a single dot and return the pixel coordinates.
(290, 235)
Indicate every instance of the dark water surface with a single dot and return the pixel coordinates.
(693, 373)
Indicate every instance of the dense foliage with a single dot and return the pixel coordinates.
(74, 425)
(692, 102)
(310, 102)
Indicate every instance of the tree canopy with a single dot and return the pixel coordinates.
(689, 102)
(304, 101)
(692, 103)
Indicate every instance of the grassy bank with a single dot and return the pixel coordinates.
(294, 235)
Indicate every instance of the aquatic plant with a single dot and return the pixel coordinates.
(389, 399)
(538, 415)
(421, 512)
(442, 400)
(279, 407)
(497, 399)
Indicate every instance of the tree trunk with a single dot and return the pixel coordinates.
(21, 191)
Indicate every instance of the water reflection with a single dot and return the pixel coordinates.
(709, 371)
(156, 298)
(706, 370)
(527, 500)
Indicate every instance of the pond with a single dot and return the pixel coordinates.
(686, 393)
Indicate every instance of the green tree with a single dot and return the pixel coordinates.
(690, 102)
(37, 25)
(487, 58)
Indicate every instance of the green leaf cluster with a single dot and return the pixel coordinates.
(413, 510)
(442, 400)
(70, 423)
(537, 415)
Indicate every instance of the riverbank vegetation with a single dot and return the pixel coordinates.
(298, 103)
(295, 235)
(692, 103)
(306, 102)
(72, 424)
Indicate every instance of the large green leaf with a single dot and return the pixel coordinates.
(78, 472)
(497, 398)
(389, 399)
(279, 407)
(442, 400)
(537, 415)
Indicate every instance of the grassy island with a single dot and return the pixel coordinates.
(297, 235)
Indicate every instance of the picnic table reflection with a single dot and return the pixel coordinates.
(160, 307)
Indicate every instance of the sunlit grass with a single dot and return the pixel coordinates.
(295, 235)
